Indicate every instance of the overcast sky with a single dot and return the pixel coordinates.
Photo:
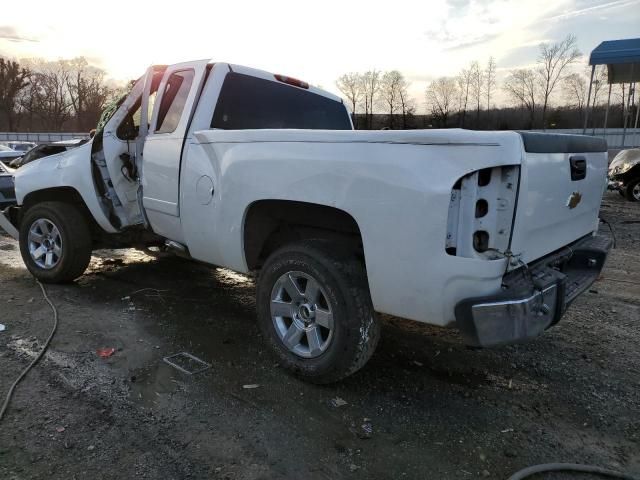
(314, 41)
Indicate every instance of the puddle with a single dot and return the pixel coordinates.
(153, 385)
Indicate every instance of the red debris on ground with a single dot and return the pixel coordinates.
(105, 352)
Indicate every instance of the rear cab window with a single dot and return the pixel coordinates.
(248, 102)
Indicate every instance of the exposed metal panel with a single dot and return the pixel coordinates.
(484, 202)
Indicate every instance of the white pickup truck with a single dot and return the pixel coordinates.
(494, 233)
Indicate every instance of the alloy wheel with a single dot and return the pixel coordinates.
(302, 314)
(45, 243)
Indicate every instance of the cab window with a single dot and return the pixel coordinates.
(130, 125)
(173, 101)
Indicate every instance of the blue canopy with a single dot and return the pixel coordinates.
(622, 58)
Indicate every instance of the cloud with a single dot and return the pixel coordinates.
(11, 34)
(495, 25)
(600, 8)
(472, 42)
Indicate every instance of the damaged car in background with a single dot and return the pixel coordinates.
(7, 154)
(493, 233)
(624, 174)
(7, 192)
(46, 150)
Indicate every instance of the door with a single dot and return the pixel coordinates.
(162, 151)
(116, 145)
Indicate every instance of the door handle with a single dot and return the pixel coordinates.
(578, 166)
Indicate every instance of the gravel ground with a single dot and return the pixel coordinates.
(425, 406)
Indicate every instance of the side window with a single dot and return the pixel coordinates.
(130, 125)
(137, 114)
(173, 100)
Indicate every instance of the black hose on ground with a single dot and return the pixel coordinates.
(569, 467)
(5, 405)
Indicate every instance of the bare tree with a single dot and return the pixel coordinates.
(489, 80)
(599, 82)
(393, 88)
(477, 82)
(622, 97)
(463, 86)
(521, 87)
(370, 89)
(574, 88)
(350, 84)
(441, 96)
(13, 79)
(407, 106)
(87, 92)
(554, 58)
(50, 100)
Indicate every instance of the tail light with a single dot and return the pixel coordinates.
(292, 81)
(481, 213)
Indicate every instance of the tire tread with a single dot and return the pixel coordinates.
(350, 273)
(73, 221)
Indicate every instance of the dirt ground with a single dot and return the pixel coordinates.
(436, 409)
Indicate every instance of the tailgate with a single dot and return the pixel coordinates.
(562, 181)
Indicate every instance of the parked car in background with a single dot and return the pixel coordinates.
(7, 192)
(19, 145)
(45, 150)
(8, 154)
(624, 174)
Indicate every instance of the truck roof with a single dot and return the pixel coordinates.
(254, 72)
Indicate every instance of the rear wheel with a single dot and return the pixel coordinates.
(315, 311)
(632, 190)
(55, 242)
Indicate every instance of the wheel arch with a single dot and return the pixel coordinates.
(53, 194)
(268, 224)
(63, 194)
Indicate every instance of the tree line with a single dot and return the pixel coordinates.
(375, 90)
(41, 95)
(550, 94)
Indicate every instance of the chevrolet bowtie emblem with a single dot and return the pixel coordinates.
(574, 200)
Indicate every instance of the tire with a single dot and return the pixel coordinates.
(632, 190)
(343, 301)
(69, 242)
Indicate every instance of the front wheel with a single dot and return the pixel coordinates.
(632, 190)
(55, 242)
(315, 311)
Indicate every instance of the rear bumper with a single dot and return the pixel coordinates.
(535, 298)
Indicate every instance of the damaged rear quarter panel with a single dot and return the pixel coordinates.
(396, 185)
